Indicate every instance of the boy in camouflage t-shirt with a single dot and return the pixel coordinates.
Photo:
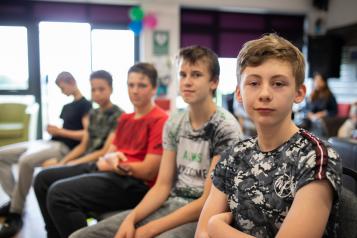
(285, 182)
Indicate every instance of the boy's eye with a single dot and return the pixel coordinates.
(279, 84)
(196, 74)
(141, 85)
(182, 75)
(253, 83)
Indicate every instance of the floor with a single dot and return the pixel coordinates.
(33, 222)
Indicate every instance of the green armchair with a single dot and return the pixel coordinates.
(16, 120)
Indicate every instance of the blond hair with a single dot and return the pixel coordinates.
(271, 46)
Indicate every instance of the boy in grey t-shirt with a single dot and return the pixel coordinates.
(192, 140)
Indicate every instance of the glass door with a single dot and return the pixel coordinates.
(64, 46)
(113, 50)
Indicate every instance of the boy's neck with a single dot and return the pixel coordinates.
(272, 137)
(77, 95)
(106, 106)
(142, 111)
(200, 113)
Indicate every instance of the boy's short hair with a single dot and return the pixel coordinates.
(271, 46)
(102, 74)
(147, 69)
(194, 53)
(65, 77)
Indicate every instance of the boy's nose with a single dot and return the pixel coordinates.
(265, 93)
(187, 80)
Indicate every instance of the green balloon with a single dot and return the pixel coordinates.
(136, 13)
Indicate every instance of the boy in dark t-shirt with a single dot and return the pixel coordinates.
(285, 182)
(71, 115)
(29, 155)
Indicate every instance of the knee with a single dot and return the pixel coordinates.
(76, 234)
(56, 192)
(26, 163)
(57, 195)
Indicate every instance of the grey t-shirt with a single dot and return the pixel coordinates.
(261, 186)
(195, 148)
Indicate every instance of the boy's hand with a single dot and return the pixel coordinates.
(217, 221)
(72, 162)
(50, 163)
(110, 161)
(127, 229)
(124, 169)
(103, 164)
(53, 130)
(148, 230)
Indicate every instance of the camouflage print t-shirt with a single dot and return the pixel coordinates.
(195, 148)
(101, 124)
(261, 186)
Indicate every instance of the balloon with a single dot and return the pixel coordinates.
(136, 27)
(136, 13)
(150, 21)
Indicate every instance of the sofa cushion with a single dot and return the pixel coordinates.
(11, 130)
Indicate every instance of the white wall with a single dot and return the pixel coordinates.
(341, 13)
(168, 15)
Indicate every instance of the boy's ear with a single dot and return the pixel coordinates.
(238, 94)
(300, 94)
(214, 83)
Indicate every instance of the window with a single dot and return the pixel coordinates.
(63, 47)
(113, 50)
(14, 72)
(79, 49)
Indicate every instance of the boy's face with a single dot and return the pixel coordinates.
(268, 92)
(196, 83)
(140, 89)
(66, 88)
(101, 91)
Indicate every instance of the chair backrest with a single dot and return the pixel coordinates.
(12, 112)
(348, 209)
(343, 109)
(347, 149)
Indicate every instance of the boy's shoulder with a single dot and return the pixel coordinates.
(224, 116)
(178, 117)
(158, 113)
(245, 144)
(313, 146)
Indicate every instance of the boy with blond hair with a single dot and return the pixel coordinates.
(285, 182)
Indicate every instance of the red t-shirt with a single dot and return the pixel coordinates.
(141, 136)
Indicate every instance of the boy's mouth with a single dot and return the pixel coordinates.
(264, 110)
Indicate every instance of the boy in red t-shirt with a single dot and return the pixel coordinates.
(118, 180)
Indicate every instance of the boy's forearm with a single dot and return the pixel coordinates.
(75, 153)
(186, 214)
(221, 229)
(140, 171)
(152, 201)
(71, 134)
(90, 157)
